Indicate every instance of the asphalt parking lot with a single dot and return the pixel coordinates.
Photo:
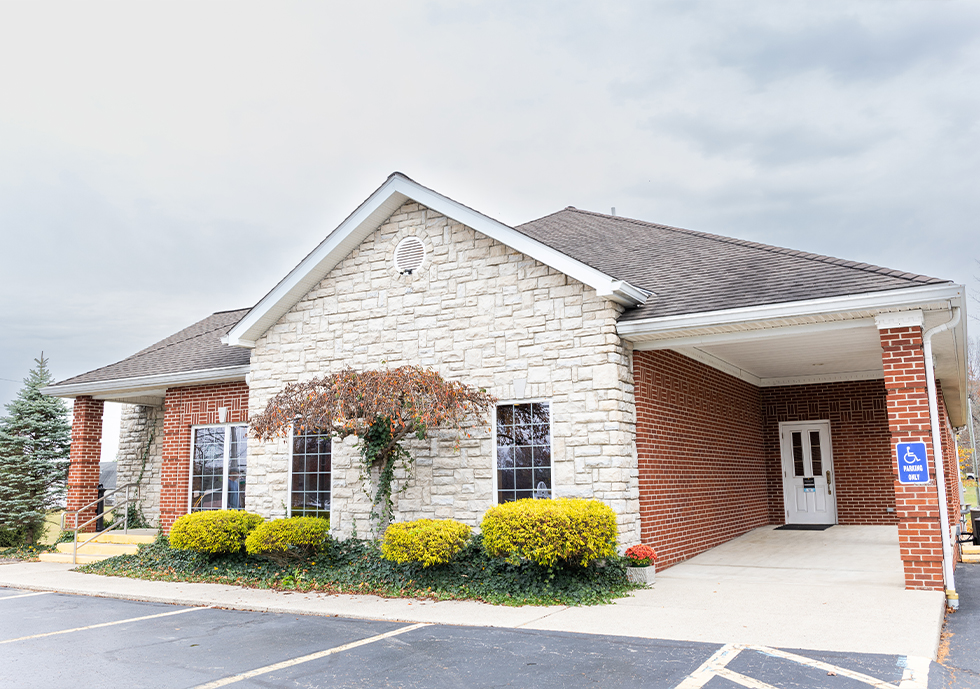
(51, 640)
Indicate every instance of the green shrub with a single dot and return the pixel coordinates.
(295, 537)
(427, 541)
(545, 532)
(213, 532)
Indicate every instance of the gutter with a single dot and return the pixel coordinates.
(952, 598)
(154, 382)
(662, 326)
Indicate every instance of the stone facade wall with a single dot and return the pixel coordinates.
(140, 455)
(479, 312)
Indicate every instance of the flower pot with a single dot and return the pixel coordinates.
(641, 575)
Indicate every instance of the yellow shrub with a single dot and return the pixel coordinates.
(572, 530)
(280, 536)
(213, 531)
(428, 541)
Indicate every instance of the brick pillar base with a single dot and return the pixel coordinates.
(86, 452)
(917, 506)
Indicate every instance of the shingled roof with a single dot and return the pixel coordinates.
(693, 272)
(195, 348)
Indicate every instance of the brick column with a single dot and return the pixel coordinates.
(175, 471)
(917, 506)
(86, 452)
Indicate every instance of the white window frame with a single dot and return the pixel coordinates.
(224, 463)
(289, 475)
(551, 439)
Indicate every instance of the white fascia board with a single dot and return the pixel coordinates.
(911, 297)
(370, 215)
(129, 386)
(846, 376)
(720, 364)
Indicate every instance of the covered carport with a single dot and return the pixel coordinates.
(838, 384)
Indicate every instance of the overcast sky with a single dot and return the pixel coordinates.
(160, 161)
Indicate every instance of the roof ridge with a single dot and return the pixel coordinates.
(168, 342)
(831, 260)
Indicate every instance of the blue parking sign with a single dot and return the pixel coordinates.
(913, 465)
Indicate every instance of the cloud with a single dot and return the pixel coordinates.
(161, 161)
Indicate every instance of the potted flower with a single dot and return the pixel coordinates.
(640, 568)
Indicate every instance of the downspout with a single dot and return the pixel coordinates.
(973, 439)
(937, 452)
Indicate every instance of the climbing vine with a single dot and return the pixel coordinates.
(383, 408)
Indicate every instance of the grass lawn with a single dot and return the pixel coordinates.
(53, 527)
(970, 493)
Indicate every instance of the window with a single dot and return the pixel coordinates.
(218, 467)
(310, 491)
(523, 451)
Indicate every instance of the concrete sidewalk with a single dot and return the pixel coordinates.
(787, 589)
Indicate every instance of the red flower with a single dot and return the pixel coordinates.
(641, 555)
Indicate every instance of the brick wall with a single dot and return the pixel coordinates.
(952, 468)
(703, 477)
(917, 506)
(86, 451)
(864, 475)
(183, 408)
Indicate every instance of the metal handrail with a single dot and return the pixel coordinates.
(125, 521)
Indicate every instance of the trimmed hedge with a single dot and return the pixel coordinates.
(426, 541)
(285, 538)
(571, 530)
(213, 532)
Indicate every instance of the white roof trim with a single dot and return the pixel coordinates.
(370, 215)
(661, 327)
(160, 381)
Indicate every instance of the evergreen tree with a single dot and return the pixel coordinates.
(35, 438)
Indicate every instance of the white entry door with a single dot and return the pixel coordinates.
(808, 473)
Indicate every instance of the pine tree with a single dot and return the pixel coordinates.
(35, 438)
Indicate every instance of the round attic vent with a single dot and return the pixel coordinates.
(409, 255)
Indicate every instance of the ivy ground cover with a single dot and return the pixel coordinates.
(357, 567)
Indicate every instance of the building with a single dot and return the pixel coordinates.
(701, 386)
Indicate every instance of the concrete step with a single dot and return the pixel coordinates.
(134, 536)
(97, 548)
(66, 557)
(970, 553)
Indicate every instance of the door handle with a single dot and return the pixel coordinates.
(829, 492)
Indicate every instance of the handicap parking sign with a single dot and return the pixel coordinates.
(913, 466)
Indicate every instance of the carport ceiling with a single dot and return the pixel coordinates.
(841, 353)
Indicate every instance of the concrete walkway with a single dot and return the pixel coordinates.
(835, 590)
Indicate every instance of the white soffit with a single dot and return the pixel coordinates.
(370, 215)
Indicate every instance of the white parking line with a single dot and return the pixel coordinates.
(744, 680)
(103, 624)
(915, 676)
(710, 667)
(827, 667)
(305, 659)
(25, 595)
